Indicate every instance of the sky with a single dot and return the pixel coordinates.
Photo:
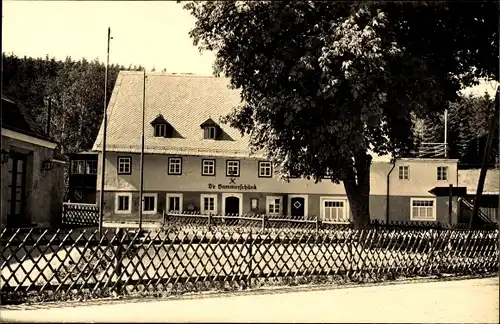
(147, 33)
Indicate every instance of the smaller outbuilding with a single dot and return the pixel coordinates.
(32, 170)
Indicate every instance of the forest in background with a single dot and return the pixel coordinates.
(468, 127)
(76, 91)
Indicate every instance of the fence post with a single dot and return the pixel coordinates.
(63, 215)
(263, 221)
(430, 257)
(318, 224)
(350, 256)
(209, 220)
(119, 255)
(250, 261)
(450, 205)
(165, 215)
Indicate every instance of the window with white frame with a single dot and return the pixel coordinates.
(160, 130)
(78, 167)
(175, 165)
(208, 204)
(124, 165)
(274, 205)
(423, 209)
(265, 169)
(404, 172)
(442, 173)
(233, 168)
(208, 167)
(174, 203)
(91, 167)
(123, 203)
(149, 203)
(335, 210)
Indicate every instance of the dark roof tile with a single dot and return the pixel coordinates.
(16, 117)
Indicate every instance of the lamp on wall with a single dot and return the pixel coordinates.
(5, 156)
(47, 165)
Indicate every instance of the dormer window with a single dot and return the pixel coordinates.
(160, 130)
(211, 130)
(161, 127)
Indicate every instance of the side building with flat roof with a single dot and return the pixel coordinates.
(195, 163)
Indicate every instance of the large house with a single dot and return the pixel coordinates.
(32, 170)
(195, 163)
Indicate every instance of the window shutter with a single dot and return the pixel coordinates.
(218, 132)
(205, 132)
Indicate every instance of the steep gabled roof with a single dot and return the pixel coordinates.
(185, 101)
(16, 117)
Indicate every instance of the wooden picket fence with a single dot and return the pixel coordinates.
(49, 264)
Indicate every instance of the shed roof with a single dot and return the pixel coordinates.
(470, 178)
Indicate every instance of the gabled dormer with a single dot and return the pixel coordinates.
(161, 127)
(211, 130)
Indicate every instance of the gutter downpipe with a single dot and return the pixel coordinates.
(388, 186)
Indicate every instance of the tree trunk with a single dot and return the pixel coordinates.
(357, 187)
(359, 203)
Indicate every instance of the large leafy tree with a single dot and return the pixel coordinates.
(325, 82)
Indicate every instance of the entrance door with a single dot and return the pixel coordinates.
(232, 206)
(17, 187)
(297, 206)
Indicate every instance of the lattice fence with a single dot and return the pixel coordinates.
(55, 264)
(259, 221)
(255, 221)
(75, 214)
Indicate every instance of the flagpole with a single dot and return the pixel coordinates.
(141, 198)
(105, 123)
